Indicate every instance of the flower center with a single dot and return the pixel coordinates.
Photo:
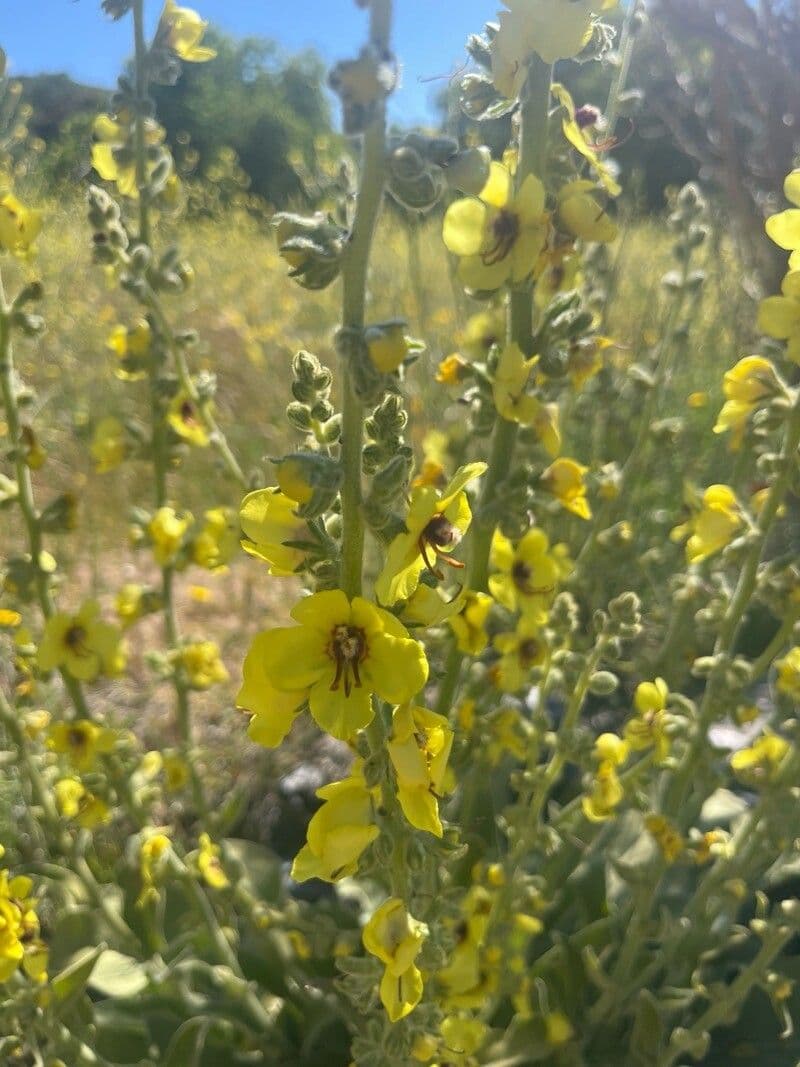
(505, 231)
(348, 649)
(188, 413)
(76, 738)
(75, 640)
(522, 575)
(440, 534)
(528, 651)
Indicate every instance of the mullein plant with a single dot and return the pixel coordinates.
(541, 851)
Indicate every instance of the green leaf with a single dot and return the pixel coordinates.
(74, 929)
(121, 1032)
(117, 975)
(261, 867)
(721, 808)
(71, 982)
(186, 1046)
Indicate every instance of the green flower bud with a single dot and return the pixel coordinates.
(603, 683)
(310, 479)
(312, 246)
(468, 171)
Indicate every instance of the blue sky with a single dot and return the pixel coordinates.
(74, 36)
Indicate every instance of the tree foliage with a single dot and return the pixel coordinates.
(268, 108)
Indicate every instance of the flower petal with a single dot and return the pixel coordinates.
(462, 230)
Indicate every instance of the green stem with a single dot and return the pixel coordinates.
(140, 147)
(625, 51)
(724, 1006)
(25, 498)
(40, 793)
(261, 1020)
(354, 284)
(535, 102)
(160, 443)
(734, 618)
(216, 436)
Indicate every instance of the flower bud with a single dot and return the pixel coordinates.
(312, 246)
(468, 171)
(603, 683)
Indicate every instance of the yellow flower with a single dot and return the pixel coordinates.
(761, 761)
(581, 214)
(521, 650)
(109, 446)
(82, 644)
(186, 418)
(553, 29)
(585, 359)
(451, 370)
(82, 741)
(131, 347)
(182, 30)
(779, 316)
(667, 836)
(112, 152)
(215, 545)
(469, 624)
(648, 728)
(419, 750)
(558, 1029)
(558, 271)
(387, 345)
(20, 944)
(153, 854)
(435, 524)
(516, 405)
(789, 673)
(482, 332)
(9, 620)
(564, 479)
(202, 665)
(76, 802)
(19, 225)
(714, 526)
(269, 522)
(577, 137)
(344, 651)
(131, 602)
(784, 228)
(752, 379)
(526, 575)
(607, 792)
(697, 400)
(498, 235)
(273, 711)
(293, 481)
(176, 772)
(208, 864)
(462, 1036)
(509, 735)
(469, 976)
(427, 607)
(167, 530)
(339, 831)
(396, 938)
